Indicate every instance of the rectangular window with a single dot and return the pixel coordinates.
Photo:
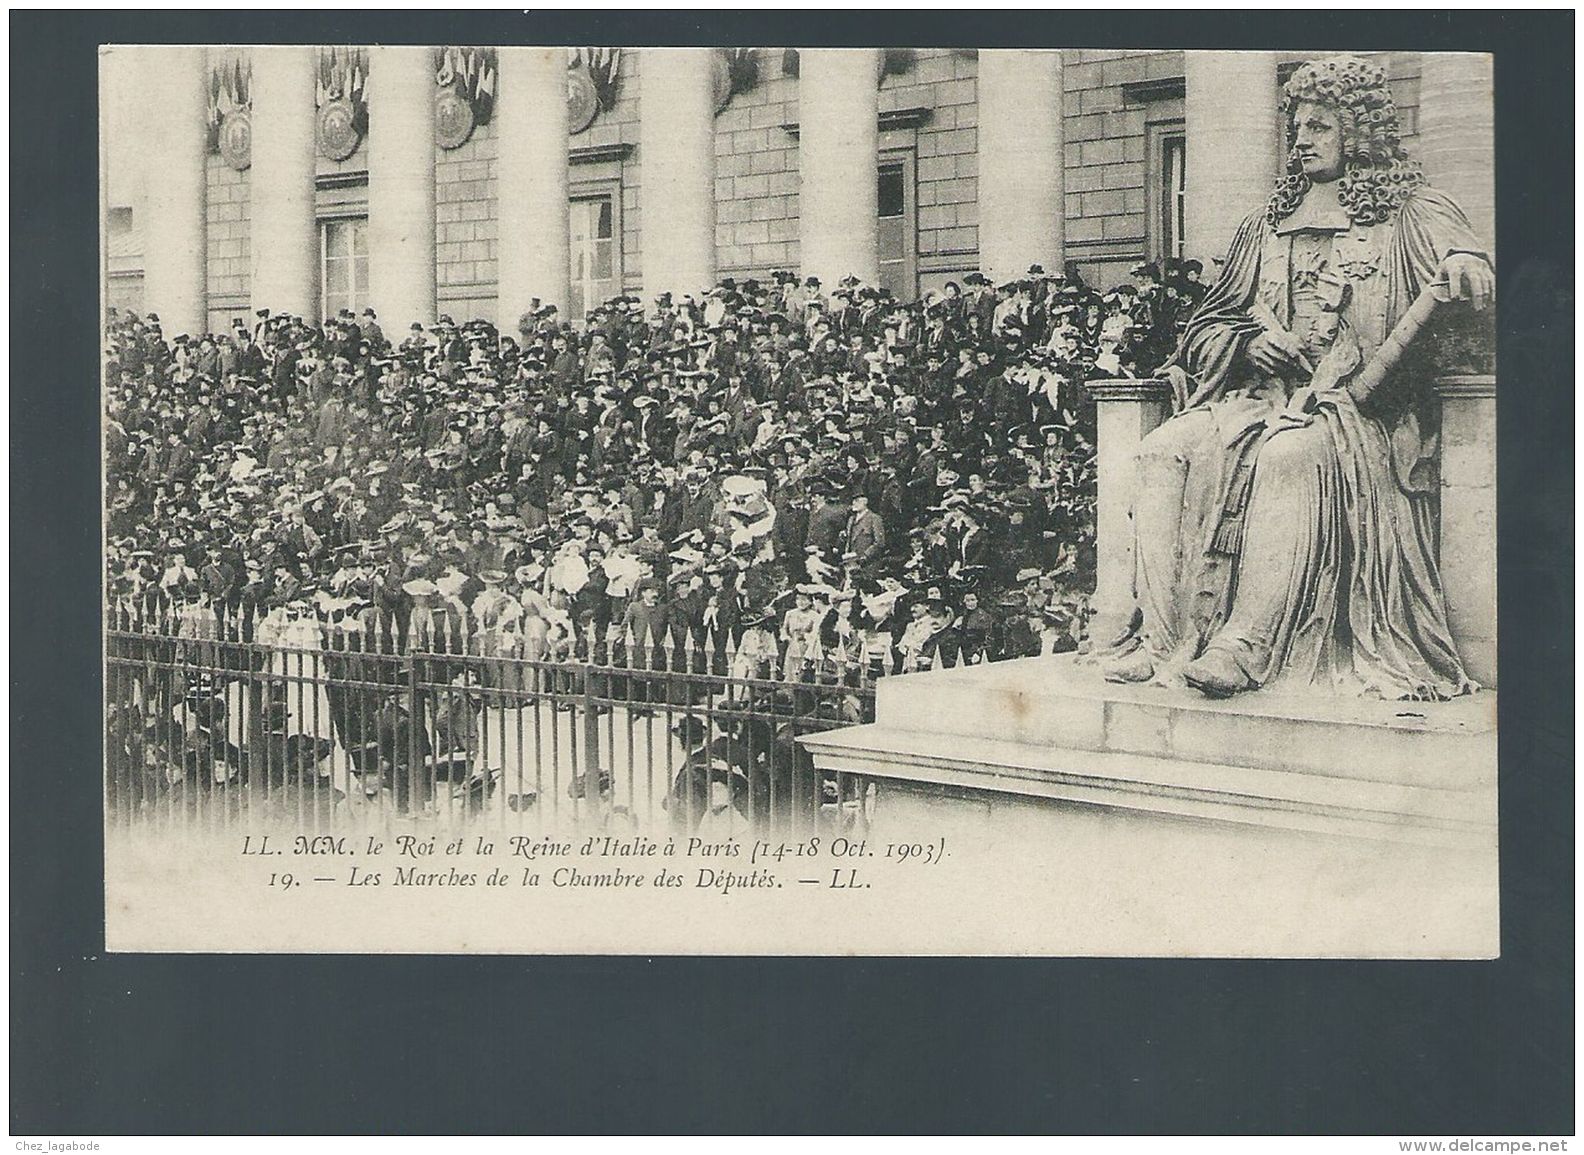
(891, 196)
(897, 228)
(593, 241)
(343, 264)
(1174, 194)
(1167, 188)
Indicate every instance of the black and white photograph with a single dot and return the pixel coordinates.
(792, 573)
(810, 483)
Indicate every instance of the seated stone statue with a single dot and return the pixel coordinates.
(1284, 520)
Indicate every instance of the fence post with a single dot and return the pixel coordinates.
(415, 721)
(257, 729)
(591, 743)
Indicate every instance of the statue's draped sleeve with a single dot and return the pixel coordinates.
(1430, 228)
(1211, 351)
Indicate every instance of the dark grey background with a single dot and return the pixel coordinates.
(203, 1044)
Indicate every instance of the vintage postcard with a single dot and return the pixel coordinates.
(771, 501)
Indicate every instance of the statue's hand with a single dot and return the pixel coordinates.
(1468, 278)
(1275, 352)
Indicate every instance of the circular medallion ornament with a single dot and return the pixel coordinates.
(582, 101)
(453, 118)
(337, 129)
(721, 69)
(236, 140)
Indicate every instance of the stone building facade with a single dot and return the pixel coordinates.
(905, 167)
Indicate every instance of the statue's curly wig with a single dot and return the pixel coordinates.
(1377, 174)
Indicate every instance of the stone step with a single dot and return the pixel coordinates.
(1063, 702)
(1350, 807)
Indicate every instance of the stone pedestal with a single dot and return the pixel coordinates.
(1468, 518)
(839, 111)
(531, 138)
(174, 103)
(1051, 728)
(1232, 119)
(676, 147)
(402, 186)
(1125, 412)
(1143, 820)
(1457, 133)
(285, 234)
(1021, 208)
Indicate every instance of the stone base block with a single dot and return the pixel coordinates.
(1052, 728)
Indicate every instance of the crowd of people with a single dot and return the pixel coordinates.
(774, 472)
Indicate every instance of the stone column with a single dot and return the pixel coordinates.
(1468, 518)
(107, 94)
(1125, 411)
(531, 139)
(676, 147)
(175, 104)
(285, 234)
(1232, 119)
(839, 115)
(1457, 135)
(1021, 209)
(401, 93)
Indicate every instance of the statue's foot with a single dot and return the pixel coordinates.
(1216, 675)
(1133, 668)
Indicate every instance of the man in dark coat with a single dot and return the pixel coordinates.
(865, 533)
(827, 520)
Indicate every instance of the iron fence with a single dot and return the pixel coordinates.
(329, 725)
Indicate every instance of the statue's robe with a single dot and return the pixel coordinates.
(1298, 536)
